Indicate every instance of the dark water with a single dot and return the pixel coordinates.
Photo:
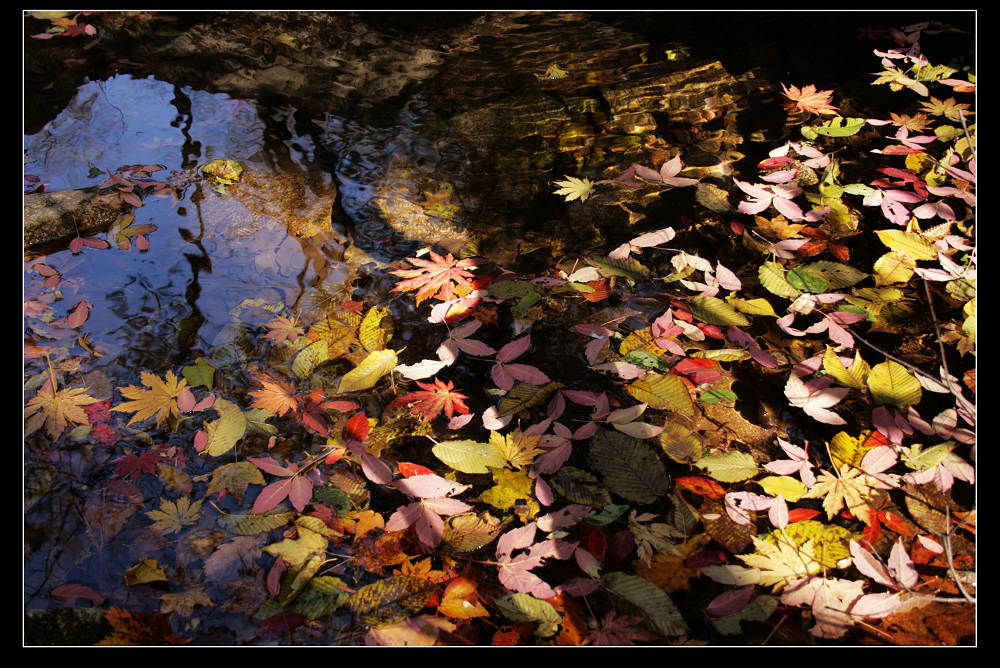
(307, 221)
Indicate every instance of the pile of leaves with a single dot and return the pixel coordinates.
(505, 479)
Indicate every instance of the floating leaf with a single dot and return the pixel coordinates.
(224, 433)
(376, 329)
(201, 373)
(520, 607)
(715, 311)
(654, 603)
(250, 524)
(524, 396)
(628, 268)
(369, 372)
(580, 486)
(890, 383)
(468, 456)
(663, 392)
(911, 244)
(680, 444)
(390, 600)
(893, 267)
(309, 358)
(800, 279)
(790, 488)
(758, 306)
(835, 274)
(732, 466)
(772, 277)
(630, 467)
(854, 377)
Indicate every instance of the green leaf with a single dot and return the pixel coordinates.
(520, 607)
(201, 373)
(646, 360)
(469, 456)
(321, 597)
(772, 277)
(839, 127)
(257, 421)
(369, 372)
(716, 396)
(246, 524)
(630, 467)
(800, 279)
(722, 354)
(835, 274)
(715, 311)
(224, 433)
(390, 600)
(662, 392)
(732, 466)
(628, 268)
(890, 383)
(654, 603)
(680, 444)
(580, 486)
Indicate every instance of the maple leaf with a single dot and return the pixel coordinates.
(172, 517)
(914, 123)
(441, 277)
(950, 108)
(516, 447)
(56, 409)
(809, 100)
(132, 627)
(283, 329)
(574, 188)
(853, 488)
(783, 563)
(433, 399)
(618, 630)
(277, 397)
(160, 400)
(132, 466)
(830, 600)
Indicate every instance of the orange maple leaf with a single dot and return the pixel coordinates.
(160, 400)
(809, 100)
(441, 277)
(56, 409)
(277, 397)
(283, 329)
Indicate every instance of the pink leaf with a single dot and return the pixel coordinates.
(902, 566)
(79, 314)
(404, 517)
(730, 602)
(185, 400)
(527, 373)
(514, 349)
(429, 486)
(268, 465)
(375, 469)
(300, 492)
(270, 496)
(430, 528)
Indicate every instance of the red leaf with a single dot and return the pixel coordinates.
(357, 428)
(407, 469)
(99, 244)
(433, 399)
(79, 314)
(70, 591)
(702, 486)
(801, 514)
(894, 522)
(268, 465)
(141, 242)
(76, 245)
(316, 423)
(340, 406)
(301, 492)
(281, 623)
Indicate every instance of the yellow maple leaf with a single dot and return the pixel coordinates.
(852, 488)
(172, 517)
(56, 409)
(518, 449)
(782, 563)
(159, 400)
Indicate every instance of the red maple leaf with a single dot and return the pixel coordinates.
(132, 466)
(433, 399)
(809, 100)
(441, 277)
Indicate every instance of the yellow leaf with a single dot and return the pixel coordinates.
(890, 383)
(160, 400)
(758, 306)
(662, 392)
(714, 311)
(911, 244)
(780, 564)
(297, 551)
(147, 570)
(369, 372)
(224, 433)
(893, 267)
(377, 328)
(172, 517)
(56, 409)
(854, 377)
(517, 449)
(790, 488)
